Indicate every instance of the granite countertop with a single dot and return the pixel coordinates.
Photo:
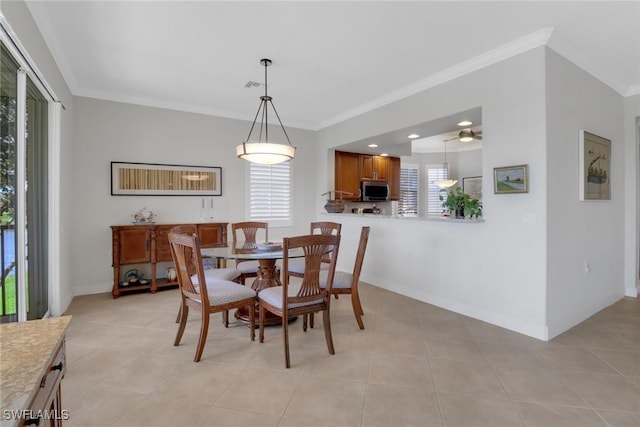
(25, 351)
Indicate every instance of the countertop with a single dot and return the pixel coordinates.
(438, 218)
(25, 351)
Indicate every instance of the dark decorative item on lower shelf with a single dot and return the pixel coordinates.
(335, 205)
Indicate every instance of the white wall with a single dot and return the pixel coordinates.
(632, 201)
(496, 270)
(109, 131)
(581, 231)
(23, 25)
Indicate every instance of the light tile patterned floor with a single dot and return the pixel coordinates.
(413, 365)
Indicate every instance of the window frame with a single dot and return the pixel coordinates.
(274, 221)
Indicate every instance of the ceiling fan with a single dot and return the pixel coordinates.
(467, 135)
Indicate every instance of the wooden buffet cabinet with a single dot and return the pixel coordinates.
(149, 244)
(352, 168)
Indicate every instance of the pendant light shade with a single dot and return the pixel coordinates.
(261, 150)
(445, 183)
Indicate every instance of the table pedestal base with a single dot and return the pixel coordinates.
(268, 276)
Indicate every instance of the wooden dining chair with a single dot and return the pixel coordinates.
(249, 231)
(326, 228)
(209, 273)
(307, 296)
(213, 297)
(347, 283)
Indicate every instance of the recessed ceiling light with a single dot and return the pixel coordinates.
(414, 136)
(465, 123)
(373, 145)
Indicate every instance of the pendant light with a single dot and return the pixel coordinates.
(445, 183)
(263, 151)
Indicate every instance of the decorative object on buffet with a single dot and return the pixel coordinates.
(144, 216)
(335, 205)
(263, 151)
(461, 204)
(171, 274)
(134, 277)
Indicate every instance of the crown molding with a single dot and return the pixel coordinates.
(523, 44)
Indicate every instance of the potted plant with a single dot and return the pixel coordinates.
(461, 204)
(335, 205)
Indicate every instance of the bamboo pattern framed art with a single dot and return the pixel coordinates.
(153, 179)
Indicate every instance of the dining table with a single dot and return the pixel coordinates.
(267, 254)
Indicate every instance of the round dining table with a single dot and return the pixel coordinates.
(268, 276)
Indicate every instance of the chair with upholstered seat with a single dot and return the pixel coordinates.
(347, 283)
(214, 296)
(326, 228)
(209, 273)
(307, 296)
(249, 230)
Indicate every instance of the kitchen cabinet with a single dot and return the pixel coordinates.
(374, 168)
(352, 168)
(394, 178)
(347, 175)
(149, 244)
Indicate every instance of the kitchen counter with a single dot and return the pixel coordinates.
(437, 218)
(26, 356)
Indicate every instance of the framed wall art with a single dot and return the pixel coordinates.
(472, 185)
(511, 179)
(151, 179)
(595, 167)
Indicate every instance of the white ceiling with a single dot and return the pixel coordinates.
(331, 60)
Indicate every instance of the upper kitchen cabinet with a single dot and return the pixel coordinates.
(347, 175)
(352, 168)
(374, 168)
(394, 178)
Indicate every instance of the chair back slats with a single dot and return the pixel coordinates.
(326, 228)
(185, 249)
(250, 230)
(315, 247)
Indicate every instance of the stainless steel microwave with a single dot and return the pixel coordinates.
(374, 191)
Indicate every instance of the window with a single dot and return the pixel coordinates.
(24, 201)
(270, 193)
(435, 173)
(408, 204)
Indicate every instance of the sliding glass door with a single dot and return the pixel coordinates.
(24, 199)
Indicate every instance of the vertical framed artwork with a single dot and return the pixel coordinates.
(595, 167)
(472, 185)
(511, 179)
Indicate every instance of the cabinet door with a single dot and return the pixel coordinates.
(394, 178)
(135, 245)
(347, 175)
(212, 233)
(374, 168)
(381, 168)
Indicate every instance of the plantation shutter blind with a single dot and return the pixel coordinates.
(270, 191)
(408, 203)
(435, 173)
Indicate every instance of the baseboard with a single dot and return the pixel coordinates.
(90, 289)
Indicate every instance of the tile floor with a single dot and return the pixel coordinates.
(413, 365)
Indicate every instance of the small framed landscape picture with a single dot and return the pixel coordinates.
(472, 185)
(511, 179)
(595, 167)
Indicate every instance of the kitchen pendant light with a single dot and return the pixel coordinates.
(445, 183)
(263, 151)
